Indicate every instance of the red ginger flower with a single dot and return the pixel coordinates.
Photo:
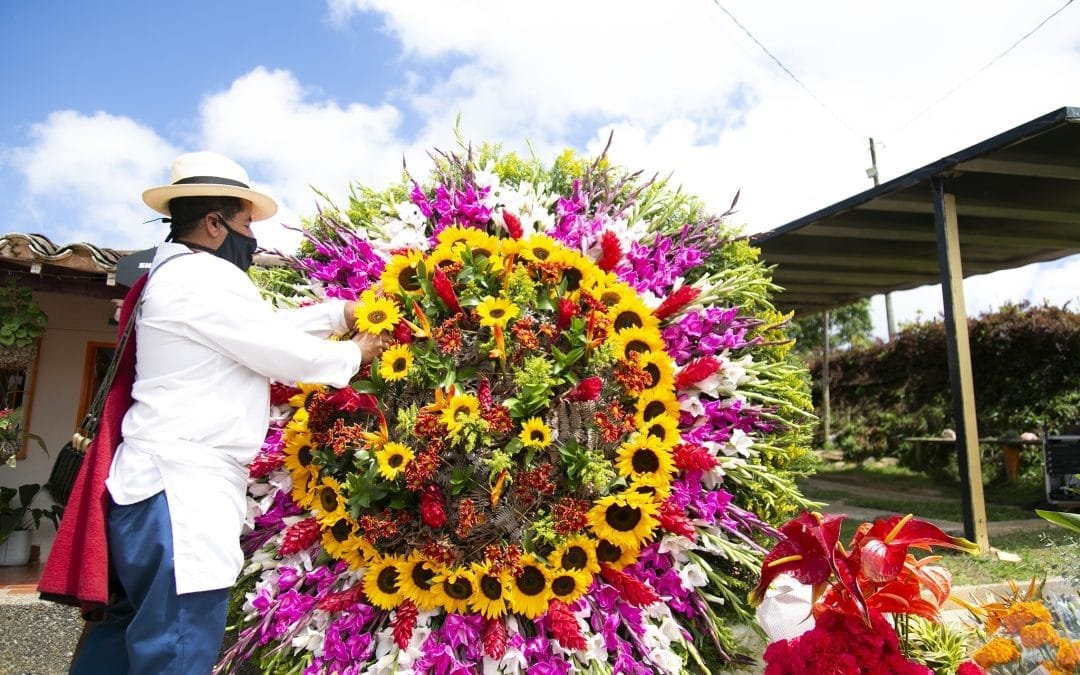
(264, 464)
(675, 302)
(567, 310)
(432, 511)
(696, 371)
(673, 518)
(337, 602)
(513, 225)
(300, 536)
(402, 332)
(692, 457)
(483, 393)
(564, 626)
(610, 251)
(586, 390)
(404, 622)
(633, 591)
(445, 290)
(494, 638)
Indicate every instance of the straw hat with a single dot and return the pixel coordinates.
(208, 174)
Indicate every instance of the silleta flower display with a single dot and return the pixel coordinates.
(542, 471)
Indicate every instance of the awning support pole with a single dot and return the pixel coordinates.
(959, 352)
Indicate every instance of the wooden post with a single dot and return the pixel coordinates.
(959, 352)
(826, 414)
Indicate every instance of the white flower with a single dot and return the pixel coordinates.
(693, 576)
(410, 214)
(310, 640)
(595, 649)
(404, 235)
(692, 404)
(738, 444)
(677, 546)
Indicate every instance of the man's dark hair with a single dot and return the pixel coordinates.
(186, 212)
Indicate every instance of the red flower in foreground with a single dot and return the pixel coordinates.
(513, 225)
(696, 371)
(610, 251)
(432, 511)
(674, 303)
(445, 290)
(586, 390)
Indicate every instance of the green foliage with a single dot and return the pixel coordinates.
(938, 646)
(849, 326)
(20, 515)
(1025, 374)
(21, 318)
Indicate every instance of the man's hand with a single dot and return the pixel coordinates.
(350, 313)
(370, 345)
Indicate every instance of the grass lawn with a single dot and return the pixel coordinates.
(925, 508)
(1043, 553)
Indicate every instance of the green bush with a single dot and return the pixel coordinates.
(1026, 378)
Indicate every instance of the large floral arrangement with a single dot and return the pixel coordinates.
(564, 461)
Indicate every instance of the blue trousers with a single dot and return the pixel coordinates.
(149, 629)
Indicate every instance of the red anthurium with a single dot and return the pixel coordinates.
(903, 596)
(882, 549)
(806, 553)
(933, 578)
(879, 561)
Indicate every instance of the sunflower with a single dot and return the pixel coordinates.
(416, 577)
(454, 589)
(569, 585)
(665, 430)
(376, 314)
(615, 556)
(443, 256)
(510, 248)
(303, 397)
(452, 236)
(532, 589)
(661, 370)
(535, 434)
(396, 363)
(496, 311)
(612, 292)
(300, 463)
(626, 519)
(642, 341)
(577, 554)
(381, 582)
(365, 550)
(492, 591)
(339, 541)
(644, 456)
(480, 243)
(575, 268)
(328, 504)
(656, 403)
(298, 423)
(393, 457)
(400, 274)
(539, 248)
(656, 487)
(631, 312)
(460, 404)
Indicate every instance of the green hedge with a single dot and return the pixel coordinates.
(1026, 363)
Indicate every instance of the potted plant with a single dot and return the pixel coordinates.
(21, 323)
(18, 519)
(12, 435)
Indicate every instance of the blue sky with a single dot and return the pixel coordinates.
(99, 97)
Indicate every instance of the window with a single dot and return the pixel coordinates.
(98, 357)
(17, 389)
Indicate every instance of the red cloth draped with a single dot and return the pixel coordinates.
(77, 570)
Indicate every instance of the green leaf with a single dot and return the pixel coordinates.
(1070, 521)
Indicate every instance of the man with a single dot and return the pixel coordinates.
(206, 347)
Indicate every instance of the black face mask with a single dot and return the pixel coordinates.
(237, 248)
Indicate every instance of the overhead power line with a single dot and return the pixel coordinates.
(787, 70)
(978, 72)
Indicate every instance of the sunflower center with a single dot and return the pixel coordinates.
(610, 298)
(658, 431)
(491, 587)
(654, 409)
(481, 251)
(341, 530)
(387, 580)
(654, 373)
(575, 558)
(329, 499)
(623, 518)
(563, 585)
(636, 347)
(400, 365)
(541, 253)
(497, 312)
(461, 410)
(536, 435)
(407, 279)
(459, 590)
(645, 461)
(607, 552)
(421, 576)
(378, 316)
(394, 461)
(531, 581)
(573, 278)
(628, 320)
(645, 490)
(303, 455)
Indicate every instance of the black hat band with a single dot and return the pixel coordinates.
(211, 180)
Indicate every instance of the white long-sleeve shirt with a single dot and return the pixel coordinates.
(206, 347)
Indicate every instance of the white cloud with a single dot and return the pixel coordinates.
(87, 172)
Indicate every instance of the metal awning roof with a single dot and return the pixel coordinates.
(1017, 199)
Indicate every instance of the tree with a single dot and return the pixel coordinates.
(849, 326)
